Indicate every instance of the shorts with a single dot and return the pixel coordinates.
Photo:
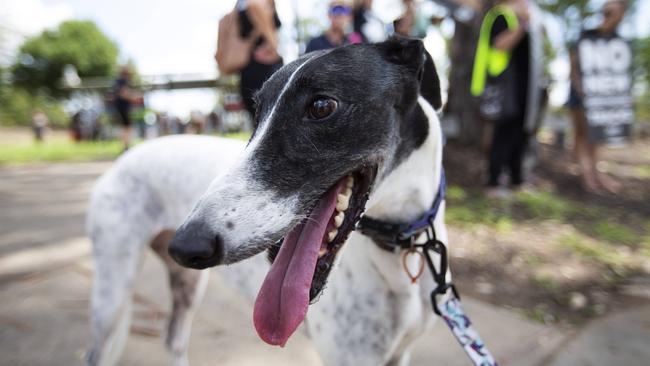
(124, 116)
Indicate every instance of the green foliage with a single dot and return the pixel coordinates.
(40, 61)
(573, 13)
(642, 72)
(642, 61)
(18, 105)
(570, 13)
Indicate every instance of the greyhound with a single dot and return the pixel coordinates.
(338, 134)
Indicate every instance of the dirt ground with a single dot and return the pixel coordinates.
(553, 277)
(46, 273)
(557, 254)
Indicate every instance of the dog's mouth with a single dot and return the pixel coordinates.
(302, 263)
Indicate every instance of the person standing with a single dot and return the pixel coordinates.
(404, 24)
(340, 16)
(258, 17)
(367, 23)
(587, 152)
(124, 96)
(40, 123)
(505, 28)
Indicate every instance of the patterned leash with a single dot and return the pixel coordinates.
(446, 303)
(400, 238)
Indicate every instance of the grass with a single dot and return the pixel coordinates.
(616, 233)
(467, 209)
(545, 205)
(473, 208)
(61, 148)
(244, 136)
(600, 252)
(57, 149)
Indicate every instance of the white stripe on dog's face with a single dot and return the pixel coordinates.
(263, 127)
(240, 208)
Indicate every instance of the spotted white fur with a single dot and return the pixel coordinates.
(369, 314)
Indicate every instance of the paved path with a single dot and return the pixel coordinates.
(45, 274)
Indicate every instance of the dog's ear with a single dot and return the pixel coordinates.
(430, 83)
(411, 54)
(403, 51)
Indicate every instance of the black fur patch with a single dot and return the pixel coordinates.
(378, 120)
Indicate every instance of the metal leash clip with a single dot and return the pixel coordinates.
(439, 276)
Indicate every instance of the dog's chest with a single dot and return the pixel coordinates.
(360, 313)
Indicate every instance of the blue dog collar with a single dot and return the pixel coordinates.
(395, 237)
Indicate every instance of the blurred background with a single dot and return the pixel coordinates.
(563, 263)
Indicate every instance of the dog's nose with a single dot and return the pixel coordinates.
(193, 247)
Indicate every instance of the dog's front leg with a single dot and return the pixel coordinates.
(187, 288)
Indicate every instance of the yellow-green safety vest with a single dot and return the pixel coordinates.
(489, 59)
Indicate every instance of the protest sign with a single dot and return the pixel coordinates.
(606, 74)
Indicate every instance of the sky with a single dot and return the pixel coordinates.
(179, 37)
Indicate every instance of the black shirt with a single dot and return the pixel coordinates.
(519, 59)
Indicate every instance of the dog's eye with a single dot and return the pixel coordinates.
(320, 108)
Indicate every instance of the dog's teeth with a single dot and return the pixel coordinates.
(338, 219)
(349, 182)
(348, 192)
(331, 235)
(342, 202)
(322, 252)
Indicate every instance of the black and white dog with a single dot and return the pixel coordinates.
(337, 133)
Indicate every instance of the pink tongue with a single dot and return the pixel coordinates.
(282, 302)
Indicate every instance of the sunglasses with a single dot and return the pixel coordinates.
(340, 10)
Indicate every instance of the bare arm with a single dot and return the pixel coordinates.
(574, 74)
(262, 18)
(507, 40)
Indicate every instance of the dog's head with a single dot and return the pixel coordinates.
(328, 127)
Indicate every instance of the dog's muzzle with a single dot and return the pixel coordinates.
(195, 247)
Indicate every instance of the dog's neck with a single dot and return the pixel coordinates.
(409, 190)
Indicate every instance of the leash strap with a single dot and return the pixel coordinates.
(448, 307)
(466, 335)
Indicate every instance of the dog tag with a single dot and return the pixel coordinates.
(413, 276)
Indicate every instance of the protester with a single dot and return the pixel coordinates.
(367, 23)
(340, 16)
(507, 43)
(40, 122)
(413, 22)
(587, 152)
(402, 26)
(258, 17)
(124, 96)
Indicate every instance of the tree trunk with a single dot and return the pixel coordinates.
(461, 104)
